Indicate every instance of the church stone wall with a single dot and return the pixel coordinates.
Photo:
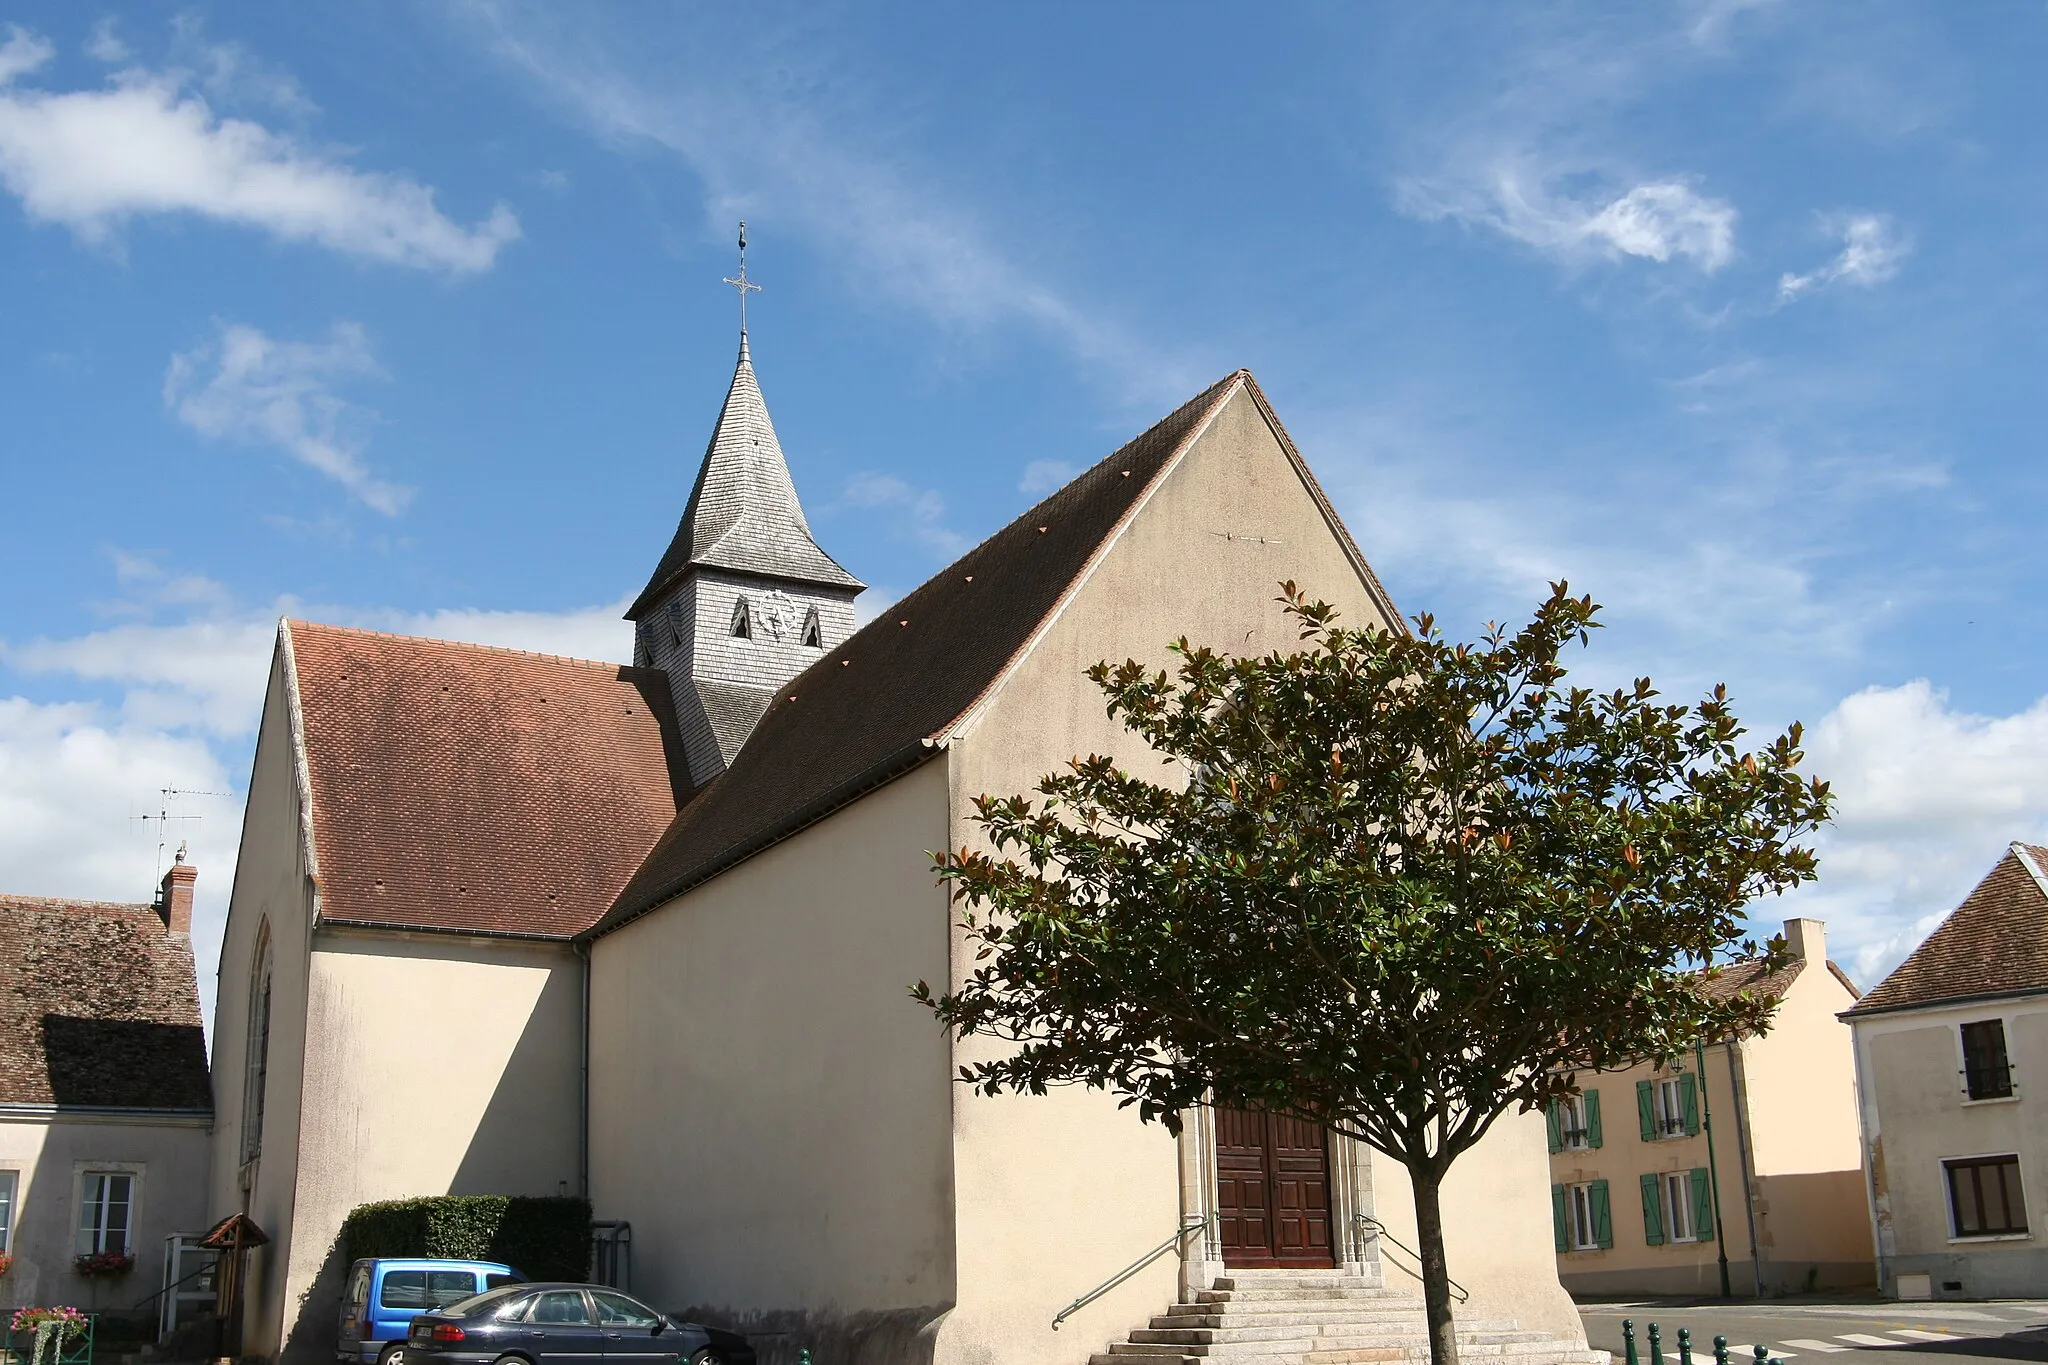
(435, 1064)
(769, 1108)
(1057, 1193)
(272, 898)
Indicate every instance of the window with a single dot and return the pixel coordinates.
(359, 1287)
(813, 636)
(256, 1063)
(616, 1310)
(421, 1290)
(1668, 1107)
(742, 620)
(1591, 1222)
(1987, 1075)
(563, 1307)
(106, 1208)
(1678, 1206)
(7, 1179)
(1984, 1196)
(675, 624)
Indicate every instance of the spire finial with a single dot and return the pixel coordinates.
(742, 283)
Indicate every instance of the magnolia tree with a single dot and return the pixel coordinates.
(1395, 885)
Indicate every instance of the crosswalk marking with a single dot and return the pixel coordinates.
(1810, 1344)
(1866, 1339)
(1917, 1335)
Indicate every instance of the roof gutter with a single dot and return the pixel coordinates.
(1864, 1012)
(895, 765)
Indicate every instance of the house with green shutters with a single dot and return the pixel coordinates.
(1744, 1151)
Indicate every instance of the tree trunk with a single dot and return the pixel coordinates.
(1436, 1272)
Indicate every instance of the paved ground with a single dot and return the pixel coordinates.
(1809, 1331)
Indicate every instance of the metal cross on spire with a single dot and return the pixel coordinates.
(741, 282)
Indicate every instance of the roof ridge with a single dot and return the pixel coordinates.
(291, 621)
(11, 899)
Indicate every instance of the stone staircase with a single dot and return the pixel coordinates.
(1321, 1317)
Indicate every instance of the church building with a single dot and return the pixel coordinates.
(509, 923)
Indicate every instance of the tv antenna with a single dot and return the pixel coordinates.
(162, 819)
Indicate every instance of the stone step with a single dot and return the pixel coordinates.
(1292, 1279)
(1344, 1293)
(1330, 1336)
(1217, 1350)
(1206, 1315)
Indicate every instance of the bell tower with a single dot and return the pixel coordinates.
(744, 600)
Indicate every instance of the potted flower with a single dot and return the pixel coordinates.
(52, 1326)
(6, 1263)
(97, 1263)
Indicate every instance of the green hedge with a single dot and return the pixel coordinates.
(543, 1239)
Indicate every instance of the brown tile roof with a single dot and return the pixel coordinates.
(480, 790)
(1994, 943)
(872, 708)
(99, 1008)
(1730, 979)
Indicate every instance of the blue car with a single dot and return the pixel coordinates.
(383, 1297)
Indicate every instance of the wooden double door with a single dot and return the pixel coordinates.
(1272, 1190)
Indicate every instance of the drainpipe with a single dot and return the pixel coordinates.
(582, 951)
(1699, 1046)
(1756, 1256)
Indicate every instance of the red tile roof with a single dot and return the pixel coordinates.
(99, 1008)
(1994, 943)
(459, 787)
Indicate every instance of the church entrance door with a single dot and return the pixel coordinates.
(1272, 1190)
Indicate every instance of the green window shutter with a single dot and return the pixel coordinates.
(1592, 1118)
(1702, 1204)
(1653, 1214)
(1689, 1102)
(1557, 1223)
(1603, 1215)
(1646, 1110)
(1553, 1121)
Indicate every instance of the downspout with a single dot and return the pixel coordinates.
(1756, 1256)
(1699, 1046)
(582, 951)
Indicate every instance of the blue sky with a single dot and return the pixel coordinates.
(410, 316)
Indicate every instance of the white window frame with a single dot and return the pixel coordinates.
(1678, 1206)
(1571, 1118)
(85, 1170)
(1579, 1228)
(1948, 1201)
(1667, 1108)
(10, 1180)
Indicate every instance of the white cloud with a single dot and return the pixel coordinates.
(104, 43)
(1872, 251)
(253, 389)
(1657, 220)
(1046, 476)
(1929, 796)
(923, 511)
(145, 144)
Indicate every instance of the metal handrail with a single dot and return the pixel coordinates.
(1133, 1268)
(1376, 1228)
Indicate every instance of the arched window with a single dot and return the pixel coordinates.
(256, 1066)
(742, 620)
(812, 636)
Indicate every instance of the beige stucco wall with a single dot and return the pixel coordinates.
(1790, 1096)
(1057, 1193)
(273, 885)
(435, 1064)
(1915, 1114)
(769, 1107)
(169, 1160)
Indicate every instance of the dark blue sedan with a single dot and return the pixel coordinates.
(565, 1324)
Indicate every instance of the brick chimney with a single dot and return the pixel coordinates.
(174, 900)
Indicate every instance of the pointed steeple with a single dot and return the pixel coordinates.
(743, 515)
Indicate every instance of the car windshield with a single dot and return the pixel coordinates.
(477, 1304)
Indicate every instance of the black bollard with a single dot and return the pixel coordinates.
(1656, 1345)
(1763, 1354)
(1720, 1351)
(1684, 1346)
(1628, 1340)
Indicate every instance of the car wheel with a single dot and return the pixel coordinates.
(707, 1356)
(394, 1354)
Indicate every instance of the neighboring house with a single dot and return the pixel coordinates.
(1951, 1056)
(1645, 1201)
(104, 1106)
(520, 924)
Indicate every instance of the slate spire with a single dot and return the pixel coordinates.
(743, 515)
